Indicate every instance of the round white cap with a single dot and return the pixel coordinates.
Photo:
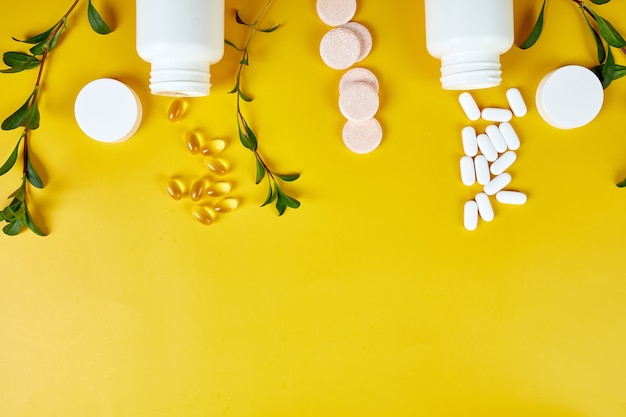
(569, 97)
(108, 110)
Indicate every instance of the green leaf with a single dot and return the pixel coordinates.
(96, 21)
(229, 43)
(245, 97)
(13, 228)
(31, 118)
(19, 194)
(31, 223)
(281, 205)
(271, 195)
(608, 32)
(244, 61)
(20, 59)
(536, 32)
(291, 202)
(12, 159)
(39, 38)
(15, 120)
(600, 1)
(39, 48)
(235, 88)
(622, 184)
(285, 201)
(8, 214)
(269, 30)
(32, 176)
(240, 20)
(601, 51)
(260, 170)
(608, 69)
(248, 138)
(620, 71)
(288, 178)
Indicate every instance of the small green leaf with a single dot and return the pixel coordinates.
(601, 51)
(235, 88)
(31, 223)
(622, 184)
(32, 176)
(8, 214)
(600, 1)
(248, 138)
(240, 20)
(245, 97)
(620, 71)
(608, 69)
(608, 32)
(20, 59)
(287, 201)
(244, 61)
(260, 170)
(96, 21)
(39, 48)
(31, 118)
(229, 43)
(11, 161)
(15, 120)
(271, 195)
(39, 38)
(19, 194)
(291, 202)
(281, 205)
(536, 32)
(269, 30)
(288, 178)
(13, 228)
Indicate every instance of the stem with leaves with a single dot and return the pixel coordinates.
(27, 116)
(246, 134)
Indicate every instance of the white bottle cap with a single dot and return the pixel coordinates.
(569, 97)
(108, 110)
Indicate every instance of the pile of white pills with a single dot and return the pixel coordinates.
(488, 155)
(346, 44)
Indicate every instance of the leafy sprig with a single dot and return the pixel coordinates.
(246, 135)
(602, 32)
(27, 116)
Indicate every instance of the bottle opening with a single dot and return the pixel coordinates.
(180, 79)
(470, 71)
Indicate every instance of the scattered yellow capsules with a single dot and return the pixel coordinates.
(174, 188)
(202, 214)
(218, 189)
(196, 190)
(193, 141)
(226, 205)
(177, 109)
(213, 147)
(216, 165)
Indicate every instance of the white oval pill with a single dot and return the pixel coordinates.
(335, 12)
(470, 146)
(468, 175)
(365, 38)
(493, 114)
(358, 74)
(485, 209)
(469, 106)
(511, 197)
(516, 102)
(340, 48)
(486, 147)
(481, 166)
(362, 137)
(359, 102)
(503, 162)
(470, 215)
(497, 184)
(510, 137)
(496, 138)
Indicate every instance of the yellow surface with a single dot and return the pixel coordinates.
(371, 299)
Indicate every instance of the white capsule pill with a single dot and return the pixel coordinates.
(485, 209)
(511, 197)
(470, 215)
(503, 162)
(469, 106)
(493, 114)
(470, 146)
(486, 147)
(496, 138)
(497, 184)
(516, 102)
(511, 138)
(481, 166)
(468, 175)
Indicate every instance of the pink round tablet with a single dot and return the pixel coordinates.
(362, 137)
(358, 74)
(365, 38)
(335, 12)
(359, 102)
(340, 48)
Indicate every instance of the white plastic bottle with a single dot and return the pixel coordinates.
(181, 39)
(469, 36)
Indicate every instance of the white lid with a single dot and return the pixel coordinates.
(108, 110)
(569, 97)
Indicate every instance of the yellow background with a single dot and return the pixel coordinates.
(369, 300)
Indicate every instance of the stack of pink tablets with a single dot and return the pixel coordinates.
(346, 44)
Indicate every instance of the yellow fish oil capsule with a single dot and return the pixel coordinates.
(216, 165)
(202, 214)
(196, 190)
(177, 110)
(174, 188)
(213, 147)
(193, 141)
(226, 205)
(218, 189)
